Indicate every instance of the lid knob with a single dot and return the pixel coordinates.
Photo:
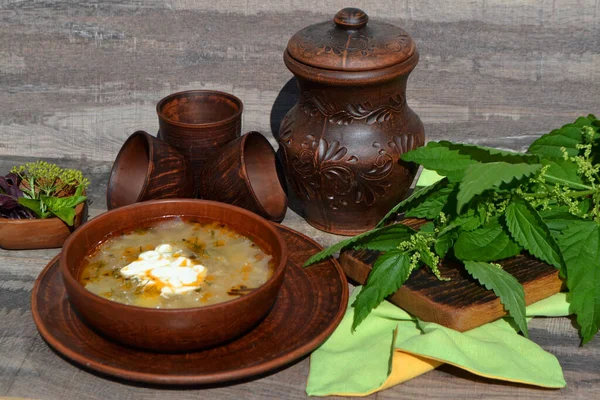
(351, 18)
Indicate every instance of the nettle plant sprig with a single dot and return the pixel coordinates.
(492, 205)
(48, 190)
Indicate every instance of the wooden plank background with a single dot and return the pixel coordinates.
(77, 77)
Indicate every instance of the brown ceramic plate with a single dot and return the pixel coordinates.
(310, 305)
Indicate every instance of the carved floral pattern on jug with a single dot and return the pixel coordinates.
(313, 105)
(327, 170)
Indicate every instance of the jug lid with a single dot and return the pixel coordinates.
(350, 42)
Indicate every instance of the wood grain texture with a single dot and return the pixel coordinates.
(78, 77)
(460, 303)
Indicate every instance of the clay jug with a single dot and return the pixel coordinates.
(340, 145)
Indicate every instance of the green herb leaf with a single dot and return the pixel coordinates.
(441, 159)
(33, 205)
(359, 240)
(558, 218)
(413, 200)
(432, 204)
(389, 272)
(428, 228)
(481, 177)
(57, 203)
(505, 286)
(471, 219)
(491, 242)
(444, 243)
(564, 170)
(550, 144)
(387, 239)
(67, 214)
(530, 231)
(580, 245)
(488, 154)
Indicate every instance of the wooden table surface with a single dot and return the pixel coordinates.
(29, 368)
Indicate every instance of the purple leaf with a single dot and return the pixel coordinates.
(8, 202)
(10, 185)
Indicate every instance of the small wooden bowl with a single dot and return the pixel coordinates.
(169, 330)
(29, 234)
(245, 173)
(147, 168)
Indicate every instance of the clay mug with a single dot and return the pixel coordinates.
(245, 173)
(198, 123)
(148, 168)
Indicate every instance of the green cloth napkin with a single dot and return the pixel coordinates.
(359, 363)
(392, 346)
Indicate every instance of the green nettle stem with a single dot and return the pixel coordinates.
(572, 194)
(572, 185)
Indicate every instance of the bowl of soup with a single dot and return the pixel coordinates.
(174, 275)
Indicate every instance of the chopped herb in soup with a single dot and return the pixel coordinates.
(176, 264)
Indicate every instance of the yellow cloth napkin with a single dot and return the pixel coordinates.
(391, 346)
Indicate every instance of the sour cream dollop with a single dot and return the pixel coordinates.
(172, 272)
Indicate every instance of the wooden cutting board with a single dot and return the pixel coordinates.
(460, 303)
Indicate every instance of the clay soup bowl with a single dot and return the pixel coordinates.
(172, 330)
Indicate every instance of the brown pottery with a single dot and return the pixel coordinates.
(310, 305)
(341, 143)
(166, 330)
(198, 122)
(147, 168)
(244, 173)
(29, 234)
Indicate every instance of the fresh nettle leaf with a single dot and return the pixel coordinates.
(491, 242)
(552, 144)
(558, 218)
(438, 158)
(359, 241)
(529, 230)
(413, 200)
(481, 177)
(472, 218)
(432, 205)
(427, 228)
(580, 245)
(488, 154)
(387, 239)
(563, 170)
(389, 272)
(505, 286)
(445, 242)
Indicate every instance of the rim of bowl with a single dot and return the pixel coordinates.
(279, 268)
(230, 96)
(109, 190)
(282, 212)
